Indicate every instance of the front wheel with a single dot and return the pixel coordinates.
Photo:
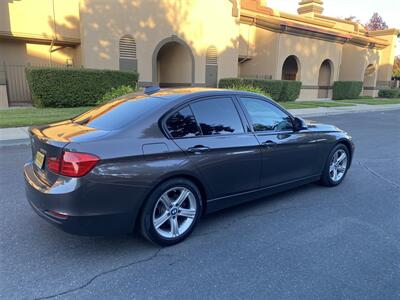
(336, 167)
(171, 212)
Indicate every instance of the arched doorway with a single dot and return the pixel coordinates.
(173, 63)
(369, 80)
(291, 68)
(325, 78)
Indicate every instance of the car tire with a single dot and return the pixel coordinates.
(163, 220)
(334, 166)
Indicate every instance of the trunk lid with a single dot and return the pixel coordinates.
(50, 140)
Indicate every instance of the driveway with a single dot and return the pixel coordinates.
(311, 242)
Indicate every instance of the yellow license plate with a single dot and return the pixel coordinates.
(39, 159)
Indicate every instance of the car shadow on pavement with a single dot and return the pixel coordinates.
(209, 223)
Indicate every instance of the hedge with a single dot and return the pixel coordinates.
(280, 90)
(389, 93)
(71, 87)
(290, 90)
(346, 89)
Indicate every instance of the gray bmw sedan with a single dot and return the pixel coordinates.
(158, 161)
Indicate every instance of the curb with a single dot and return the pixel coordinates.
(14, 142)
(334, 113)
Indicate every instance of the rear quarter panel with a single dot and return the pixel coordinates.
(138, 159)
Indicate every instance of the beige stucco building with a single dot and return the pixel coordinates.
(191, 42)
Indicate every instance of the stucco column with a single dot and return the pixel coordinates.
(3, 87)
(3, 96)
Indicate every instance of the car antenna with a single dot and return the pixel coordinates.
(148, 90)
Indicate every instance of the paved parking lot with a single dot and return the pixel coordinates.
(308, 243)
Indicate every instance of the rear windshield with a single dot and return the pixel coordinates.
(118, 113)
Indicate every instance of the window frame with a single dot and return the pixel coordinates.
(250, 121)
(237, 105)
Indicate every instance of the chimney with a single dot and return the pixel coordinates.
(263, 3)
(309, 8)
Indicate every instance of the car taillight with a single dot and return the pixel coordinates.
(72, 164)
(53, 164)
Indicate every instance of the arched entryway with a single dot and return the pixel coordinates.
(291, 68)
(173, 63)
(369, 80)
(325, 79)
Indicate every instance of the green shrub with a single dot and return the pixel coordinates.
(365, 97)
(225, 83)
(116, 92)
(71, 87)
(389, 93)
(248, 88)
(290, 90)
(279, 90)
(271, 87)
(346, 89)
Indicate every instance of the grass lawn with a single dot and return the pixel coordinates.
(16, 117)
(312, 104)
(373, 101)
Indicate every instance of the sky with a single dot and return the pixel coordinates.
(362, 9)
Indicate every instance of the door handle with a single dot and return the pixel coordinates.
(198, 149)
(268, 144)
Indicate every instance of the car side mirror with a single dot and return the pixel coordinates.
(299, 124)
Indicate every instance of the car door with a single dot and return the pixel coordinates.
(287, 154)
(225, 151)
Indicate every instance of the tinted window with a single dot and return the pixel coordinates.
(265, 116)
(118, 113)
(182, 124)
(217, 116)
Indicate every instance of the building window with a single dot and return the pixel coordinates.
(211, 56)
(127, 53)
(211, 67)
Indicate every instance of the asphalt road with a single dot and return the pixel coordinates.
(308, 243)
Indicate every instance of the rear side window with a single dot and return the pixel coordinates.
(182, 124)
(217, 116)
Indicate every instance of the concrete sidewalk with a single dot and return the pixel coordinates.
(14, 136)
(19, 135)
(357, 108)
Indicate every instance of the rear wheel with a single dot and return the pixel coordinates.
(171, 212)
(336, 167)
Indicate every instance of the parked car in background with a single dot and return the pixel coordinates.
(158, 162)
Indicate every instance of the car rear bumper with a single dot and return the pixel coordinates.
(79, 208)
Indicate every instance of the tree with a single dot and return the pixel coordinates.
(396, 68)
(376, 23)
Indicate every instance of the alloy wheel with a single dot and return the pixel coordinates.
(174, 212)
(338, 165)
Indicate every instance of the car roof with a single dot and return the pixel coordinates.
(178, 95)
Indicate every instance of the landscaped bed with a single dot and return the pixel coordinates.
(373, 101)
(17, 117)
(313, 104)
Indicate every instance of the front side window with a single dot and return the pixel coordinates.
(182, 124)
(265, 116)
(217, 116)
